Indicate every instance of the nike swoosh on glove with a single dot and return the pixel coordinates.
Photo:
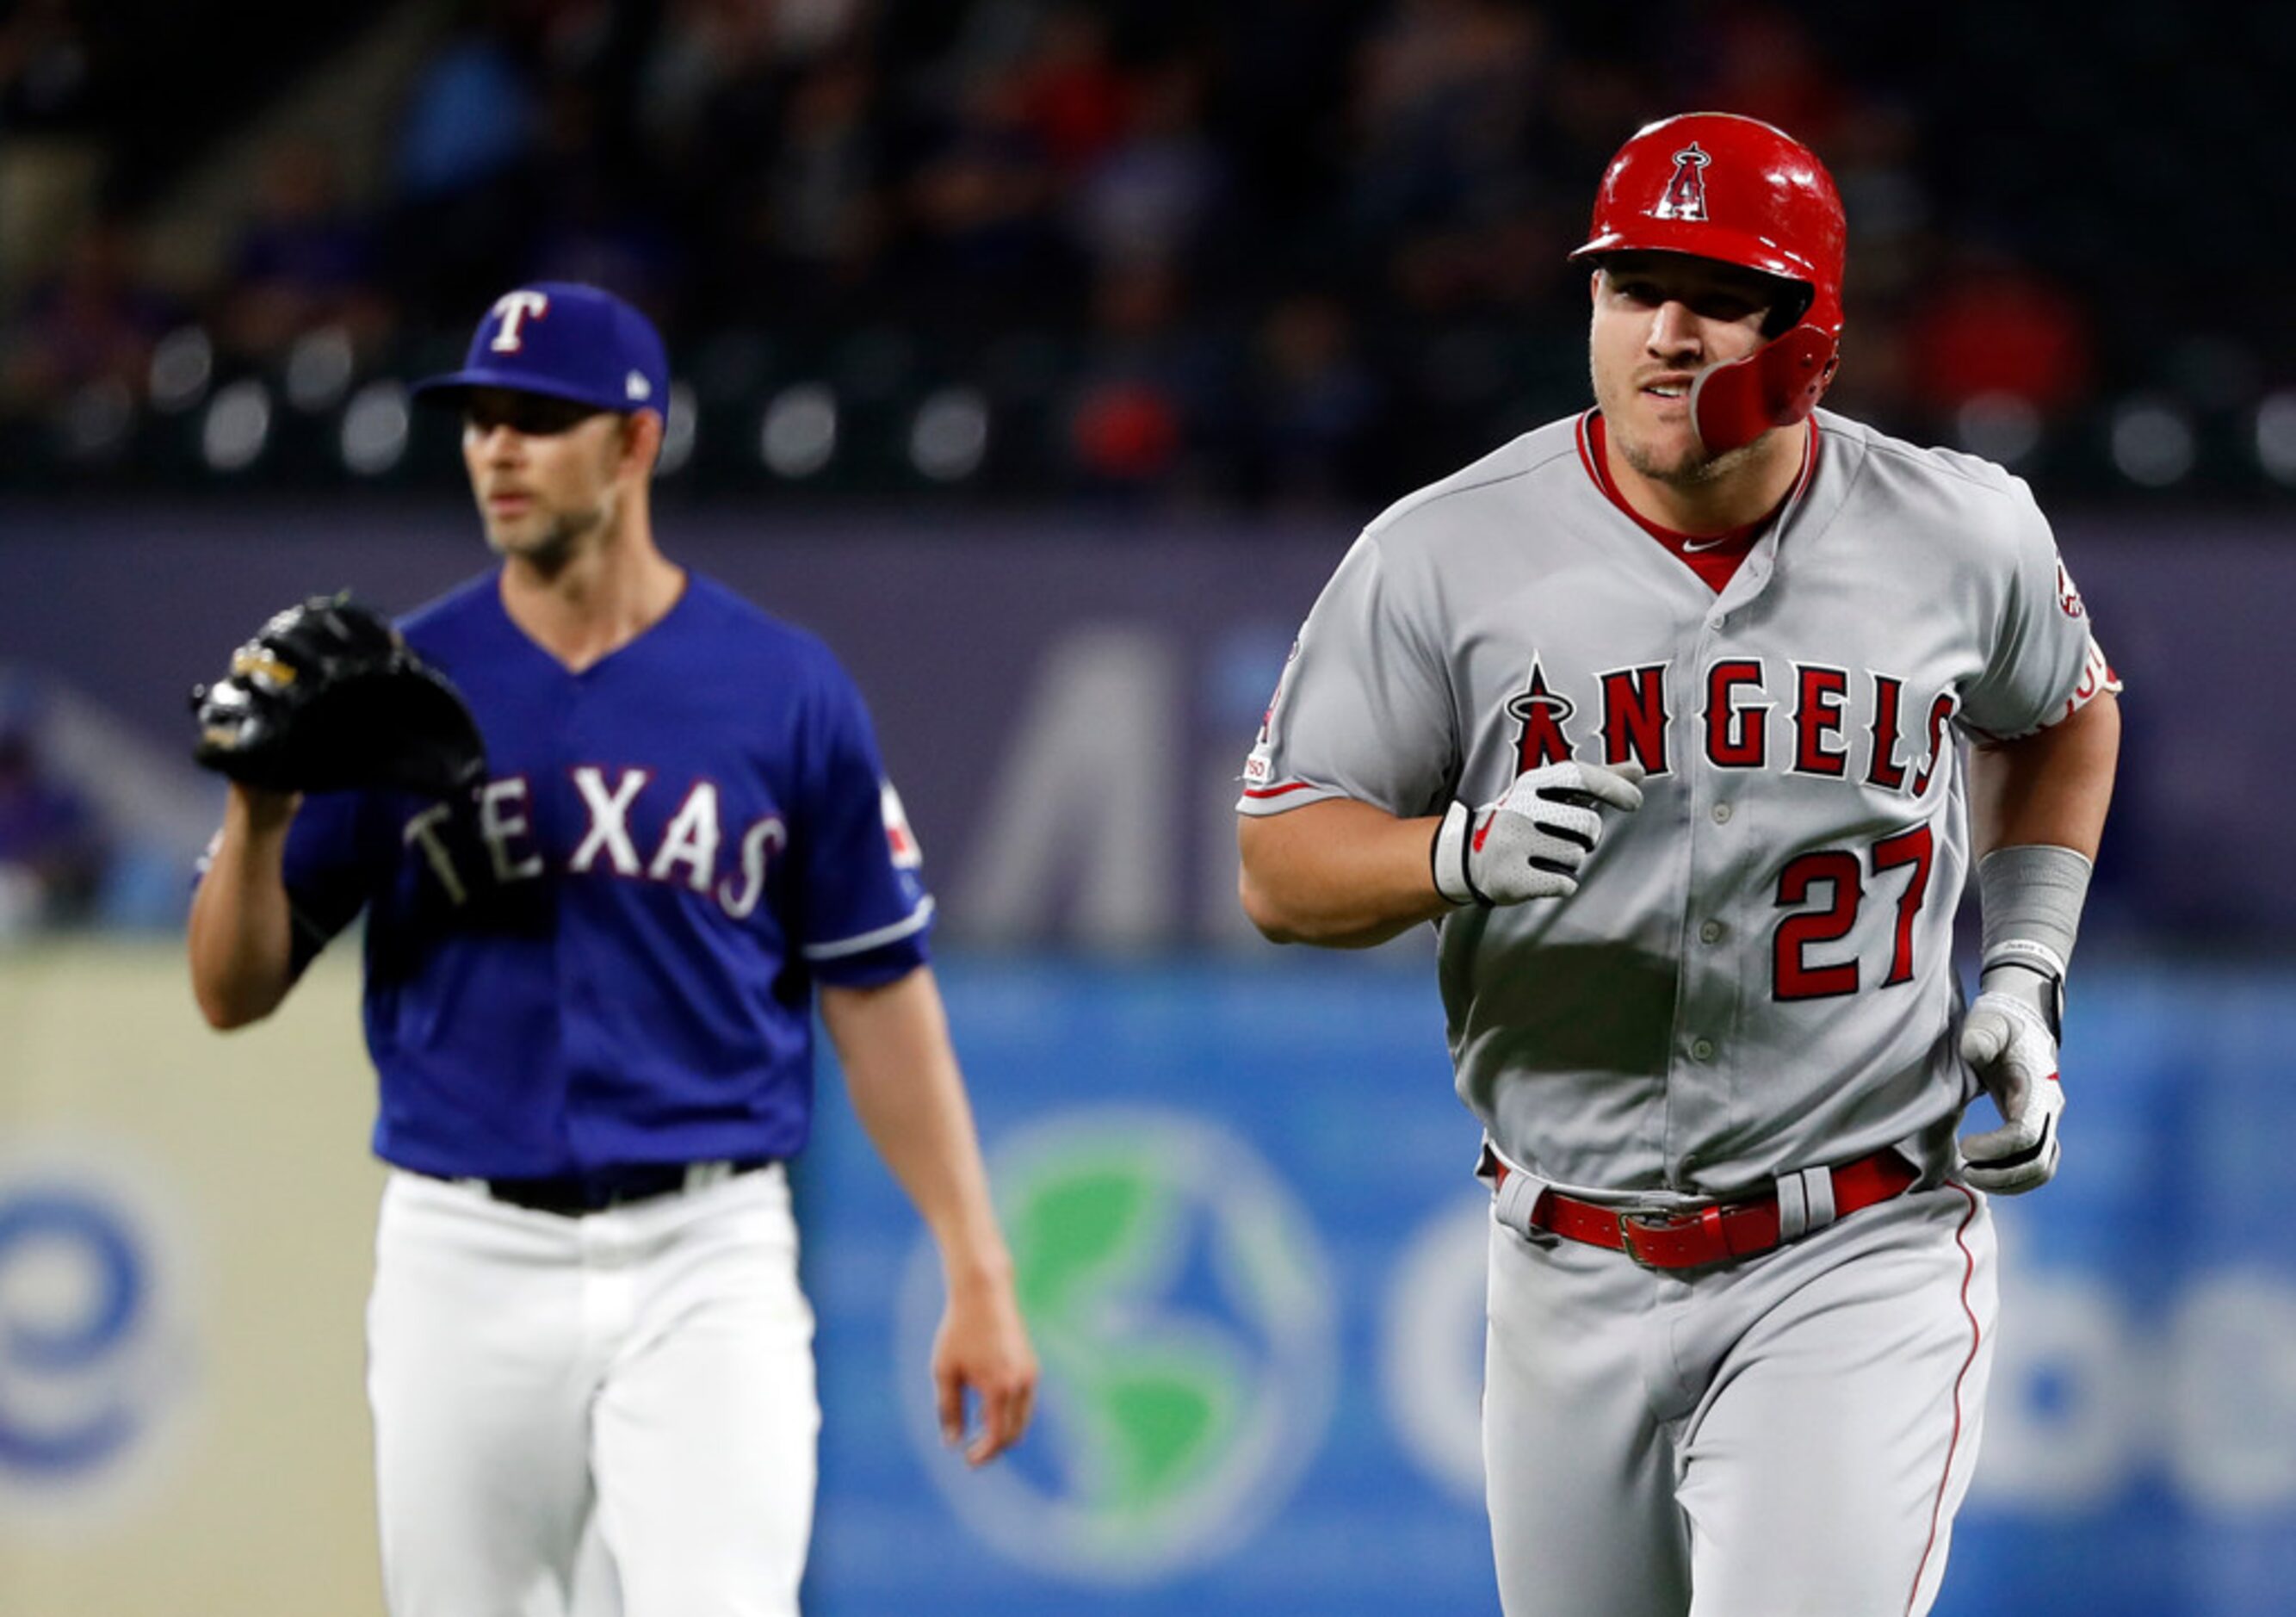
(1532, 841)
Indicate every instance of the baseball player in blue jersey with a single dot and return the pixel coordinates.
(1684, 721)
(589, 993)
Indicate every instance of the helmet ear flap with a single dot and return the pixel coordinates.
(1777, 385)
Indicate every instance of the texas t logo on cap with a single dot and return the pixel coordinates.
(512, 308)
(1685, 197)
(563, 339)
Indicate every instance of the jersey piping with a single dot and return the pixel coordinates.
(861, 943)
(1953, 1445)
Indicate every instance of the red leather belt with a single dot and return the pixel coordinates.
(1697, 1237)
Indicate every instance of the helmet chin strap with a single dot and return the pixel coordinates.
(1776, 386)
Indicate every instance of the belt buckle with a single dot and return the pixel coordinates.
(1630, 1221)
(1708, 1216)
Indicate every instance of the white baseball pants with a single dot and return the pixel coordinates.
(644, 1374)
(1788, 1436)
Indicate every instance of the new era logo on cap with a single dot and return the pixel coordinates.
(567, 341)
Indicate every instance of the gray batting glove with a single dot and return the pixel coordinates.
(2015, 1054)
(1532, 842)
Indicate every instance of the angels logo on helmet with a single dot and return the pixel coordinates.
(1685, 197)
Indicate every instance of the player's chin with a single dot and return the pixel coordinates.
(1668, 451)
(521, 534)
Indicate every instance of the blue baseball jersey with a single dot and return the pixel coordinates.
(609, 958)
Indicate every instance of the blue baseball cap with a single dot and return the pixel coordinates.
(567, 341)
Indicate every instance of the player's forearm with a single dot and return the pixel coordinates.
(241, 934)
(1339, 873)
(2038, 808)
(2049, 789)
(902, 1075)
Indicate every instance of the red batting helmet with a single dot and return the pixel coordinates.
(1720, 186)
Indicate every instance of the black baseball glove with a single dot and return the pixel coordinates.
(327, 697)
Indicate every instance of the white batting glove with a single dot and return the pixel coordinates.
(2009, 1043)
(1533, 841)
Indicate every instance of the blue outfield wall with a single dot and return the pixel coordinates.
(1252, 1254)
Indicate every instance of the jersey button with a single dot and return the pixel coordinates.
(1702, 1050)
(1710, 932)
(1721, 814)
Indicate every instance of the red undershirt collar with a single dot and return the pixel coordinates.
(1714, 557)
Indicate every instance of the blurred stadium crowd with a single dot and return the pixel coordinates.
(1227, 253)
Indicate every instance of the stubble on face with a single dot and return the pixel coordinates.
(564, 535)
(552, 551)
(1686, 465)
(1693, 466)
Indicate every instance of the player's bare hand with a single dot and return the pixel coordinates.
(2010, 1046)
(983, 1350)
(262, 812)
(1533, 841)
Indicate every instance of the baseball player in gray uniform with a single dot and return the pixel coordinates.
(1684, 720)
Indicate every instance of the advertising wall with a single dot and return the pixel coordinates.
(1252, 1256)
(1066, 705)
(185, 1238)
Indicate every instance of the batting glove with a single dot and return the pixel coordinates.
(2014, 1052)
(1532, 842)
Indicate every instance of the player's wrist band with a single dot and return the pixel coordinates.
(2026, 954)
(2030, 898)
(2032, 895)
(1449, 855)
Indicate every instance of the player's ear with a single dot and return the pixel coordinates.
(641, 441)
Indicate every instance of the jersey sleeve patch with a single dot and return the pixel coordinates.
(2069, 599)
(2096, 676)
(2096, 673)
(900, 841)
(1259, 767)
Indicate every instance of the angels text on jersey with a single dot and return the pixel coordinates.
(1810, 719)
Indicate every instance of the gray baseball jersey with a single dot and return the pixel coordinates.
(1754, 975)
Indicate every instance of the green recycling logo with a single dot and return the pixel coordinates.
(1178, 1299)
